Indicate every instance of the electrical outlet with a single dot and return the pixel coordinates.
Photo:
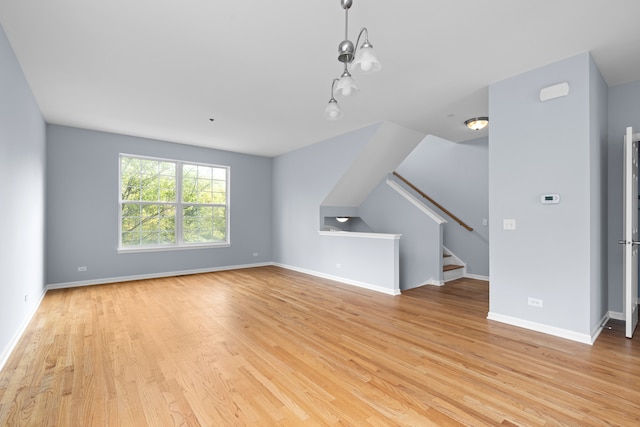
(255, 254)
(508, 224)
(338, 265)
(535, 302)
(82, 268)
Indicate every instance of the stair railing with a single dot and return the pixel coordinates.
(436, 204)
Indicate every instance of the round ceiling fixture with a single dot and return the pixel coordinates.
(477, 123)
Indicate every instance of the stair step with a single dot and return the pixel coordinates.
(446, 255)
(451, 267)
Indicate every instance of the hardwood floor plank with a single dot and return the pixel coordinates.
(269, 346)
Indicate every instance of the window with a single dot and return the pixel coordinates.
(172, 204)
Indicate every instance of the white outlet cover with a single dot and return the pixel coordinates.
(535, 302)
(509, 224)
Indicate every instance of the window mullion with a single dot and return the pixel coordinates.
(179, 208)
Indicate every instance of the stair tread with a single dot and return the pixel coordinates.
(446, 255)
(451, 267)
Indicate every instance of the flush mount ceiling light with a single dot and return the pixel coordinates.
(342, 218)
(362, 58)
(477, 123)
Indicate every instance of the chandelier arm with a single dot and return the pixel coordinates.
(366, 37)
(333, 85)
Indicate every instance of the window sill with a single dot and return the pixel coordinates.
(171, 248)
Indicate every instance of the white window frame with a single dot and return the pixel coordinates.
(179, 206)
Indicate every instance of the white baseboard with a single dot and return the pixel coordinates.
(619, 315)
(595, 332)
(430, 282)
(616, 315)
(477, 277)
(152, 276)
(539, 327)
(434, 282)
(4, 356)
(341, 280)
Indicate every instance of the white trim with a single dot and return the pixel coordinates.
(477, 277)
(361, 235)
(595, 332)
(616, 315)
(619, 315)
(416, 202)
(138, 249)
(442, 282)
(151, 276)
(4, 356)
(432, 282)
(539, 327)
(341, 279)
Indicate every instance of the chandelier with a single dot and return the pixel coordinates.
(362, 58)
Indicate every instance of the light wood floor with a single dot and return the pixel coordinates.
(269, 346)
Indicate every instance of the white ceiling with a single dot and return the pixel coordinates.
(162, 68)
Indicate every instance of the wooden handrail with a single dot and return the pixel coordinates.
(436, 204)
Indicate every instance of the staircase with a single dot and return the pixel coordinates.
(452, 267)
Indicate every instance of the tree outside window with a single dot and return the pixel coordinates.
(168, 203)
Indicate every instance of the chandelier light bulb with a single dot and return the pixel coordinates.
(346, 86)
(333, 111)
(366, 59)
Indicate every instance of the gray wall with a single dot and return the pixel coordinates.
(362, 259)
(420, 257)
(82, 208)
(624, 110)
(537, 148)
(302, 179)
(456, 175)
(598, 108)
(22, 169)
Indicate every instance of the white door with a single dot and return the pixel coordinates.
(631, 231)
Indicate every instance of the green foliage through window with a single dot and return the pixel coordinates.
(172, 203)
